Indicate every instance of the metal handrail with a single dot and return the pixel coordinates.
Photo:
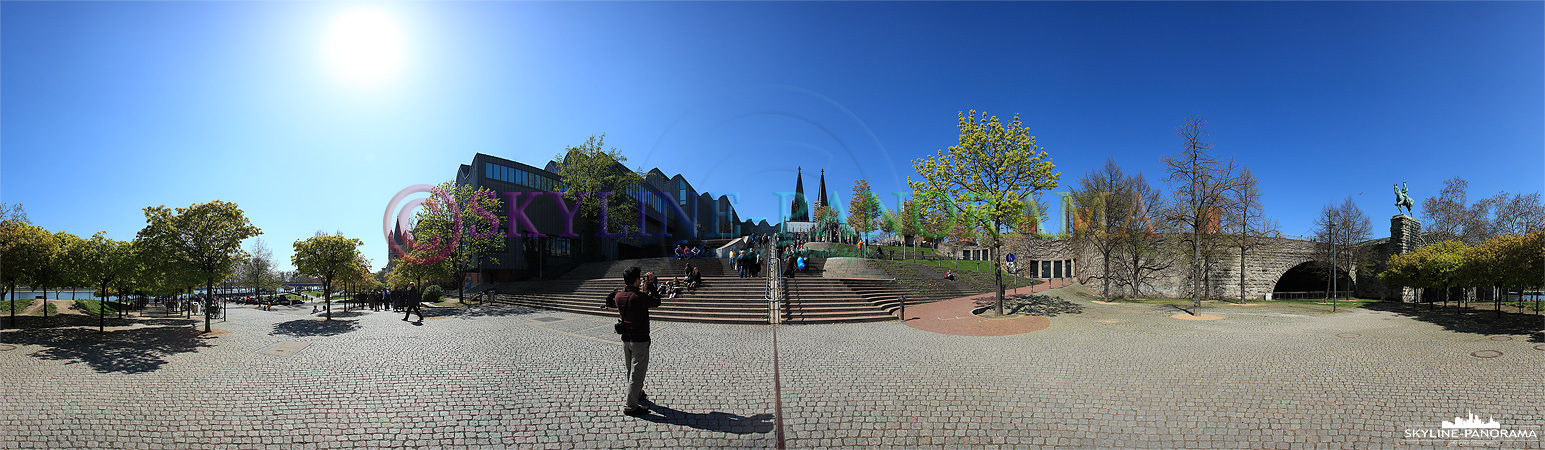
(774, 291)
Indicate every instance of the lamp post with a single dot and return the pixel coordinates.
(1333, 274)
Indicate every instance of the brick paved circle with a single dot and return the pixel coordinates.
(1501, 338)
(1486, 354)
(1540, 347)
(1349, 335)
(7, 347)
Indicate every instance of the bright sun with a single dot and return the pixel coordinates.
(364, 47)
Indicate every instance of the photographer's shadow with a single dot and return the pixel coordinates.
(715, 421)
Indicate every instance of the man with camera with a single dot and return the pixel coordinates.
(633, 312)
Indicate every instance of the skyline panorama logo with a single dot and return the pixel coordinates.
(1471, 430)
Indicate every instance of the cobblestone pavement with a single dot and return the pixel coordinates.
(1122, 376)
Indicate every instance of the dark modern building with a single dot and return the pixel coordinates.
(708, 222)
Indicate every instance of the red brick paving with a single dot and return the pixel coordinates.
(954, 316)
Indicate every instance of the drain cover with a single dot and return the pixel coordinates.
(7, 347)
(1486, 354)
(1349, 335)
(546, 319)
(1501, 338)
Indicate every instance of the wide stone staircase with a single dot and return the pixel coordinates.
(832, 300)
(665, 268)
(718, 300)
(808, 298)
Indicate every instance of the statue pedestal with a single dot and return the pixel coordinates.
(1403, 230)
(1402, 233)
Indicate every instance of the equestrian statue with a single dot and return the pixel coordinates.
(1403, 198)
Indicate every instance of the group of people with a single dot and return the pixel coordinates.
(748, 262)
(398, 300)
(683, 251)
(794, 260)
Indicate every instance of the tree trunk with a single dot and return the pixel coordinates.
(209, 300)
(1105, 292)
(997, 276)
(327, 296)
(101, 314)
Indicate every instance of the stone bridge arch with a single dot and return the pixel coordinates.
(1271, 265)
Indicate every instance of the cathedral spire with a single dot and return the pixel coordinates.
(820, 198)
(800, 211)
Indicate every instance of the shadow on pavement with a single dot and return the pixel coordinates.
(1477, 322)
(480, 311)
(715, 421)
(137, 350)
(1035, 305)
(312, 327)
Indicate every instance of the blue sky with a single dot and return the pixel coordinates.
(106, 108)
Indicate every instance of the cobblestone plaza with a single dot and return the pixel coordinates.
(1109, 376)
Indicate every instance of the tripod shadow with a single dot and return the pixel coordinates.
(714, 421)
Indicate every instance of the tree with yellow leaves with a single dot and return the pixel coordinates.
(988, 179)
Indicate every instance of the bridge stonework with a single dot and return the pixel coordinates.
(1263, 268)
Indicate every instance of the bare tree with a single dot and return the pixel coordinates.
(258, 269)
(1338, 231)
(1253, 230)
(1353, 228)
(1104, 204)
(1452, 217)
(1520, 214)
(1203, 183)
(1147, 250)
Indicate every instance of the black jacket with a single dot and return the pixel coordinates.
(633, 308)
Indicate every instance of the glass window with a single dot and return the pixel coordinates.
(1056, 267)
(488, 170)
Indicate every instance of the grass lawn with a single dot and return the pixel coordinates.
(50, 309)
(956, 264)
(93, 307)
(21, 305)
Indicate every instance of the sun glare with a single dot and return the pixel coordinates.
(364, 47)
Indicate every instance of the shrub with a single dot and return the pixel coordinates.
(432, 293)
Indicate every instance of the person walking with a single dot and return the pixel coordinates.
(410, 304)
(633, 313)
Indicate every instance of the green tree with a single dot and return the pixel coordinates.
(1431, 267)
(54, 269)
(103, 260)
(864, 209)
(987, 177)
(826, 224)
(479, 242)
(23, 248)
(70, 273)
(327, 257)
(204, 238)
(588, 169)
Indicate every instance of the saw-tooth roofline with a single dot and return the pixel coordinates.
(508, 173)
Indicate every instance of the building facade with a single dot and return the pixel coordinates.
(674, 212)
